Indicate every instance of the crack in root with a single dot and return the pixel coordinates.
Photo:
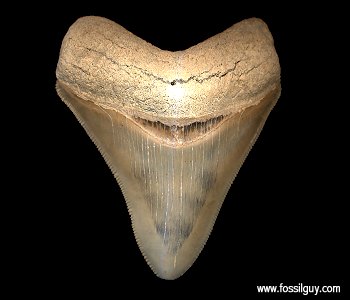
(197, 78)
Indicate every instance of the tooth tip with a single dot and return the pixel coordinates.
(166, 270)
(167, 266)
(168, 274)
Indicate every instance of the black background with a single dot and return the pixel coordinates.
(284, 217)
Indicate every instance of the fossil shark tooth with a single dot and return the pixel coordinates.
(174, 127)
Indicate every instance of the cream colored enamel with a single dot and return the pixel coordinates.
(173, 193)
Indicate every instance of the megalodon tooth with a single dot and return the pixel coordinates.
(174, 127)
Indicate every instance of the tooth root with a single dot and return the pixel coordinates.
(173, 192)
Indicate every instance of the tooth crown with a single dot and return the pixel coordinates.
(173, 194)
(104, 63)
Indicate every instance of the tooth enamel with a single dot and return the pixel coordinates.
(174, 127)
